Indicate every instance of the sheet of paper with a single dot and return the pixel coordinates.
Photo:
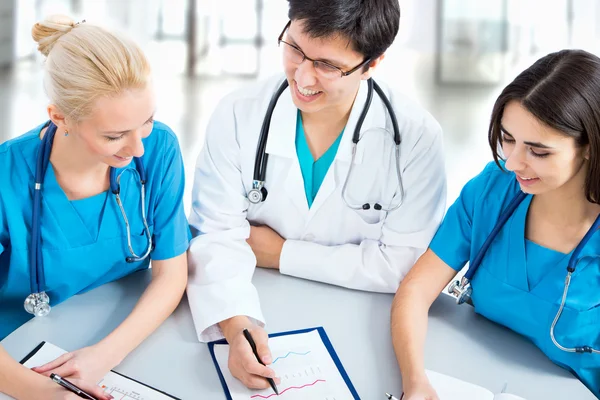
(47, 353)
(125, 389)
(120, 387)
(304, 365)
(449, 388)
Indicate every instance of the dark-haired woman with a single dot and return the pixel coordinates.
(545, 138)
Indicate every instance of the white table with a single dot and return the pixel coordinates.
(357, 323)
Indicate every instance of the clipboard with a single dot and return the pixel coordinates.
(323, 337)
(39, 347)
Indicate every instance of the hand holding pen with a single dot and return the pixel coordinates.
(253, 346)
(80, 389)
(242, 362)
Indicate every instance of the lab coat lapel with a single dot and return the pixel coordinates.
(344, 152)
(341, 163)
(282, 143)
(327, 187)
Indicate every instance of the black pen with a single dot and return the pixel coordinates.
(253, 345)
(70, 387)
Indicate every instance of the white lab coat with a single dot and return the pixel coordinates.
(330, 242)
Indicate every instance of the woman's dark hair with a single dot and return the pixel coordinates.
(370, 25)
(562, 90)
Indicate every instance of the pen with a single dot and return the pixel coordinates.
(253, 345)
(390, 397)
(70, 387)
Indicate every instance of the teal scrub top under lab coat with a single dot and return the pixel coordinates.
(313, 172)
(519, 285)
(84, 242)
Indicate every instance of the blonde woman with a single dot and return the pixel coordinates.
(91, 195)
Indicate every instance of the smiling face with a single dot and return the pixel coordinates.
(113, 133)
(311, 91)
(542, 158)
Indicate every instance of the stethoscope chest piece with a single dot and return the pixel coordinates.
(461, 291)
(258, 193)
(38, 304)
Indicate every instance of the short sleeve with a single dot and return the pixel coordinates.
(452, 241)
(4, 235)
(171, 230)
(5, 188)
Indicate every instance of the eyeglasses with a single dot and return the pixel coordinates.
(324, 69)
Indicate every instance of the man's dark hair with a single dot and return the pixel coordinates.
(562, 90)
(369, 25)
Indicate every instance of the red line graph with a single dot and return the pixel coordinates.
(285, 390)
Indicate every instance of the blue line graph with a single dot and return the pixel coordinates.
(291, 352)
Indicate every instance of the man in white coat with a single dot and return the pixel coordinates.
(365, 237)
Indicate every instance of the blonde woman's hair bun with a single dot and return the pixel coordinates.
(47, 32)
(85, 62)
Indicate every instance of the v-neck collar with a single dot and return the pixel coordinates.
(308, 164)
(281, 140)
(56, 207)
(556, 273)
(65, 215)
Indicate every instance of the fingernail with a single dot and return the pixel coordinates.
(266, 359)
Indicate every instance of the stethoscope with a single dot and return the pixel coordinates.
(258, 193)
(462, 290)
(38, 302)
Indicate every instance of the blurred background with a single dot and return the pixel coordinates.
(452, 56)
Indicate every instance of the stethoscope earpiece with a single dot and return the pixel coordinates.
(264, 193)
(367, 206)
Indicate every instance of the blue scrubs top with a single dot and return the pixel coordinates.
(520, 285)
(313, 171)
(84, 242)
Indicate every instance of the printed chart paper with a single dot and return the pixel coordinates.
(304, 365)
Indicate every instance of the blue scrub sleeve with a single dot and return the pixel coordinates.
(171, 230)
(452, 241)
(4, 237)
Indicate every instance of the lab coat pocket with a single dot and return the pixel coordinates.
(370, 216)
